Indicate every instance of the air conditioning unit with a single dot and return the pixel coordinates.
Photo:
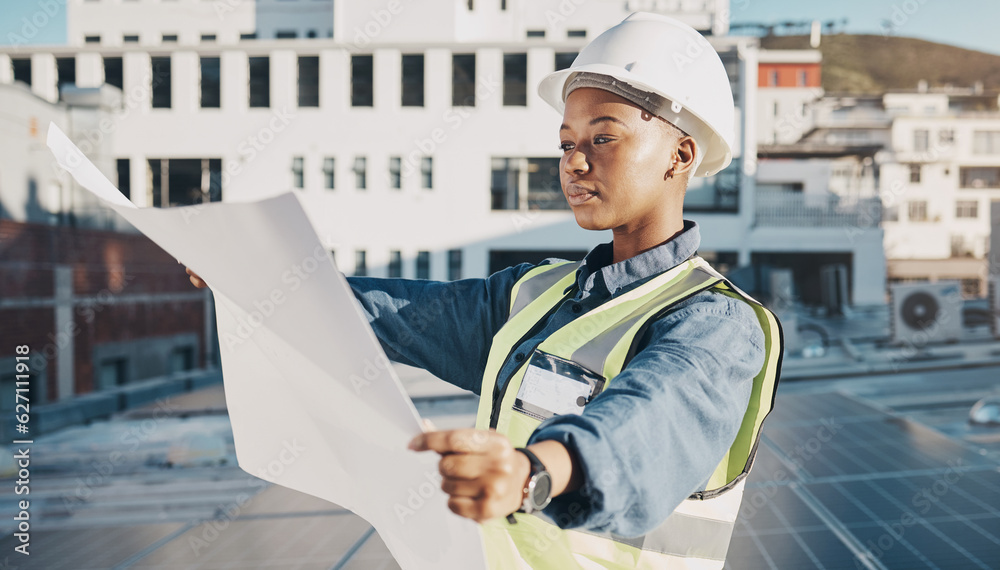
(924, 313)
(994, 299)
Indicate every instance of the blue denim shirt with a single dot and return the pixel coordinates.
(655, 434)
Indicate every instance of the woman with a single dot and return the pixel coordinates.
(621, 396)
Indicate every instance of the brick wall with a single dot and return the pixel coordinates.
(122, 288)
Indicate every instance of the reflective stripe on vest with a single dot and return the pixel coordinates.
(604, 340)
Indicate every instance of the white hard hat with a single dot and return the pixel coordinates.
(661, 55)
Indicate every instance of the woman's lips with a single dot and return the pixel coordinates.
(576, 195)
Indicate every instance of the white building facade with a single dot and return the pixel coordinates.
(414, 135)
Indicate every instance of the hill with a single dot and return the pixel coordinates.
(873, 63)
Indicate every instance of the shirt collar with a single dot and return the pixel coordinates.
(597, 275)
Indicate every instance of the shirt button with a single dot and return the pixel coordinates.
(576, 308)
(519, 357)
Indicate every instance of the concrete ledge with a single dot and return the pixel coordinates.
(101, 405)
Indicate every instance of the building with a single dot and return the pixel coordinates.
(423, 125)
(938, 185)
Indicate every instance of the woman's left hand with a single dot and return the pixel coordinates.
(482, 473)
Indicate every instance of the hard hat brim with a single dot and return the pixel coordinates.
(552, 90)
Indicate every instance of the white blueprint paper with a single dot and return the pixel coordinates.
(313, 402)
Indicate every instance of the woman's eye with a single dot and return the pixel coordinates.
(601, 140)
(565, 146)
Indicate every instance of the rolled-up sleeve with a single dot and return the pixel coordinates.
(658, 431)
(444, 327)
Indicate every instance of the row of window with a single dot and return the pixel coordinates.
(360, 171)
(916, 211)
(983, 142)
(968, 176)
(422, 264)
(209, 38)
(463, 91)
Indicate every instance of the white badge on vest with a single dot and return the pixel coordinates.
(554, 386)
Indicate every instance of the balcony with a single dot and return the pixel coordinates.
(794, 209)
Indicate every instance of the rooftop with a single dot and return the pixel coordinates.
(873, 470)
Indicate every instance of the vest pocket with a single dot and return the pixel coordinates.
(555, 386)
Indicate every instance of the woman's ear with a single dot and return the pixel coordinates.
(684, 162)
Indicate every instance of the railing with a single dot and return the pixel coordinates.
(793, 209)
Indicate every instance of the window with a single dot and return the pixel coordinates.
(915, 173)
(260, 81)
(917, 210)
(329, 165)
(169, 38)
(469, 4)
(130, 39)
(801, 78)
(986, 142)
(576, 33)
(772, 78)
(91, 39)
(946, 136)
(112, 372)
(124, 177)
(22, 69)
(286, 35)
(536, 33)
(890, 213)
(967, 209)
(503, 5)
(921, 139)
(181, 359)
(426, 172)
(423, 265)
(208, 37)
(413, 80)
(454, 264)
(311, 34)
(113, 72)
(161, 82)
(361, 81)
(360, 180)
(184, 181)
(360, 265)
(211, 83)
(564, 60)
(463, 80)
(309, 81)
(979, 177)
(515, 79)
(250, 36)
(395, 172)
(298, 172)
(526, 183)
(395, 263)
(65, 71)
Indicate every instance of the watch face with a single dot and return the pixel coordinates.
(542, 490)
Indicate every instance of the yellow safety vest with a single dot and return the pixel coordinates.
(603, 340)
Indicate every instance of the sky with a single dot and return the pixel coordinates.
(966, 23)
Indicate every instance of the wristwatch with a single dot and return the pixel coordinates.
(538, 490)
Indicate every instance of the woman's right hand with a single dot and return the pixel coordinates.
(195, 280)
